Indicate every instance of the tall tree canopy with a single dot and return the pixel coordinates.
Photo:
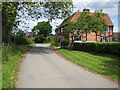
(91, 23)
(43, 28)
(12, 12)
(87, 23)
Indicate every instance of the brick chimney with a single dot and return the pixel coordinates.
(86, 10)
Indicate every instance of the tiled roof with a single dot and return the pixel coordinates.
(75, 16)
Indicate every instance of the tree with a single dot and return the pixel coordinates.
(42, 31)
(12, 12)
(20, 33)
(42, 28)
(91, 23)
(9, 11)
(87, 23)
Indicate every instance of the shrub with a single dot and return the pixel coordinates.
(101, 47)
(65, 43)
(51, 38)
(11, 55)
(23, 40)
(40, 39)
(55, 43)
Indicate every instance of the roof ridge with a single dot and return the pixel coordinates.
(75, 15)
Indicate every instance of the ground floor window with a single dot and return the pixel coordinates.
(104, 39)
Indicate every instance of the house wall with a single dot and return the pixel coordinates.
(91, 37)
(57, 35)
(84, 37)
(98, 38)
(110, 39)
(116, 35)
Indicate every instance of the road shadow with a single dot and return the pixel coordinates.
(41, 50)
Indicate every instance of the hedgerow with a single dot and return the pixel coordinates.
(100, 47)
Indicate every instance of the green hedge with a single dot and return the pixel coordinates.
(101, 47)
(22, 40)
(65, 43)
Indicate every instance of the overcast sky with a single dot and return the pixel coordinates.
(108, 6)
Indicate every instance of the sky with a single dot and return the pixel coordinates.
(108, 6)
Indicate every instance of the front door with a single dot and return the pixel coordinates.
(104, 39)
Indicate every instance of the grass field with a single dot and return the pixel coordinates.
(102, 63)
(11, 57)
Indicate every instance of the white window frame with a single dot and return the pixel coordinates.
(105, 38)
(107, 29)
(61, 30)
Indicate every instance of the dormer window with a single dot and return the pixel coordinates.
(107, 29)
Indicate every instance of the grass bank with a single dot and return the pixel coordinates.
(11, 57)
(104, 64)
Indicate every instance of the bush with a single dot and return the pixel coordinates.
(40, 39)
(23, 40)
(101, 47)
(51, 38)
(65, 43)
(55, 43)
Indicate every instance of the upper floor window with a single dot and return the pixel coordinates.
(107, 29)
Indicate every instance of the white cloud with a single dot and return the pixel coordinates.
(76, 1)
(54, 23)
(108, 6)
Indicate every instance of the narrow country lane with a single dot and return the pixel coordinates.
(42, 68)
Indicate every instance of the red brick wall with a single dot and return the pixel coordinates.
(98, 38)
(110, 38)
(91, 37)
(84, 37)
(111, 32)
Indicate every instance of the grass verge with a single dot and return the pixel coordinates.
(104, 64)
(11, 57)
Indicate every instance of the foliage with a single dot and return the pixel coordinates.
(50, 38)
(43, 28)
(49, 10)
(12, 12)
(55, 44)
(105, 64)
(40, 39)
(22, 40)
(43, 31)
(68, 29)
(11, 55)
(86, 23)
(115, 39)
(9, 11)
(20, 33)
(53, 41)
(101, 47)
(65, 43)
(90, 23)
